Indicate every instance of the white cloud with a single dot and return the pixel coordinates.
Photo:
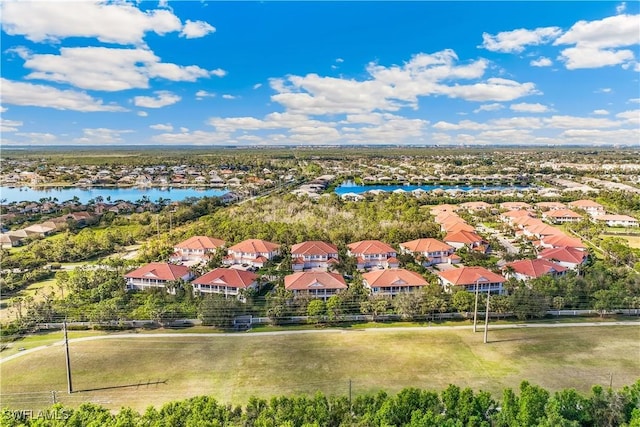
(516, 40)
(395, 87)
(162, 127)
(568, 122)
(600, 112)
(227, 96)
(631, 117)
(621, 7)
(201, 94)
(489, 107)
(101, 68)
(597, 43)
(184, 137)
(3, 109)
(101, 136)
(37, 137)
(196, 29)
(142, 113)
(9, 125)
(339, 60)
(163, 98)
(218, 72)
(634, 100)
(529, 108)
(27, 94)
(257, 86)
(541, 62)
(118, 22)
(603, 90)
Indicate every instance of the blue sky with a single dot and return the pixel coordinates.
(320, 73)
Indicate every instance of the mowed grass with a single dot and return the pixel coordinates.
(116, 372)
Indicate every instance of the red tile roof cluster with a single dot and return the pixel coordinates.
(466, 237)
(563, 213)
(314, 280)
(583, 204)
(229, 277)
(159, 271)
(393, 277)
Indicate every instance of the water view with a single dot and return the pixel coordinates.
(131, 194)
(350, 187)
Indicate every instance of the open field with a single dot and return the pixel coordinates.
(115, 372)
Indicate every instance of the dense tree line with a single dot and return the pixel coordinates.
(531, 406)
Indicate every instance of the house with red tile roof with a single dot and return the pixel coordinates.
(196, 248)
(545, 206)
(428, 251)
(436, 210)
(470, 278)
(561, 241)
(567, 257)
(393, 281)
(617, 220)
(511, 215)
(313, 254)
(225, 281)
(317, 284)
(453, 226)
(540, 229)
(513, 206)
(560, 216)
(156, 275)
(254, 252)
(470, 239)
(473, 207)
(589, 206)
(373, 253)
(528, 269)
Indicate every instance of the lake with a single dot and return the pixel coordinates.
(350, 187)
(129, 194)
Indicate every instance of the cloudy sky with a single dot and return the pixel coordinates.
(273, 73)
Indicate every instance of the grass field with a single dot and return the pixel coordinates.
(115, 372)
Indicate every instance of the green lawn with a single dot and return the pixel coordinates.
(115, 372)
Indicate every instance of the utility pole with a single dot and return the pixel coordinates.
(475, 311)
(486, 320)
(66, 348)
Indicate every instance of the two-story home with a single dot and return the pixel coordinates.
(428, 251)
(393, 281)
(470, 239)
(313, 254)
(589, 206)
(617, 220)
(156, 275)
(196, 248)
(567, 257)
(528, 269)
(373, 253)
(254, 252)
(317, 284)
(561, 216)
(470, 279)
(226, 281)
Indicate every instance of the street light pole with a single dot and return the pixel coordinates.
(475, 311)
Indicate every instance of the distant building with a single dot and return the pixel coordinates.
(254, 252)
(225, 281)
(320, 285)
(428, 251)
(313, 254)
(196, 248)
(470, 278)
(373, 253)
(528, 269)
(392, 282)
